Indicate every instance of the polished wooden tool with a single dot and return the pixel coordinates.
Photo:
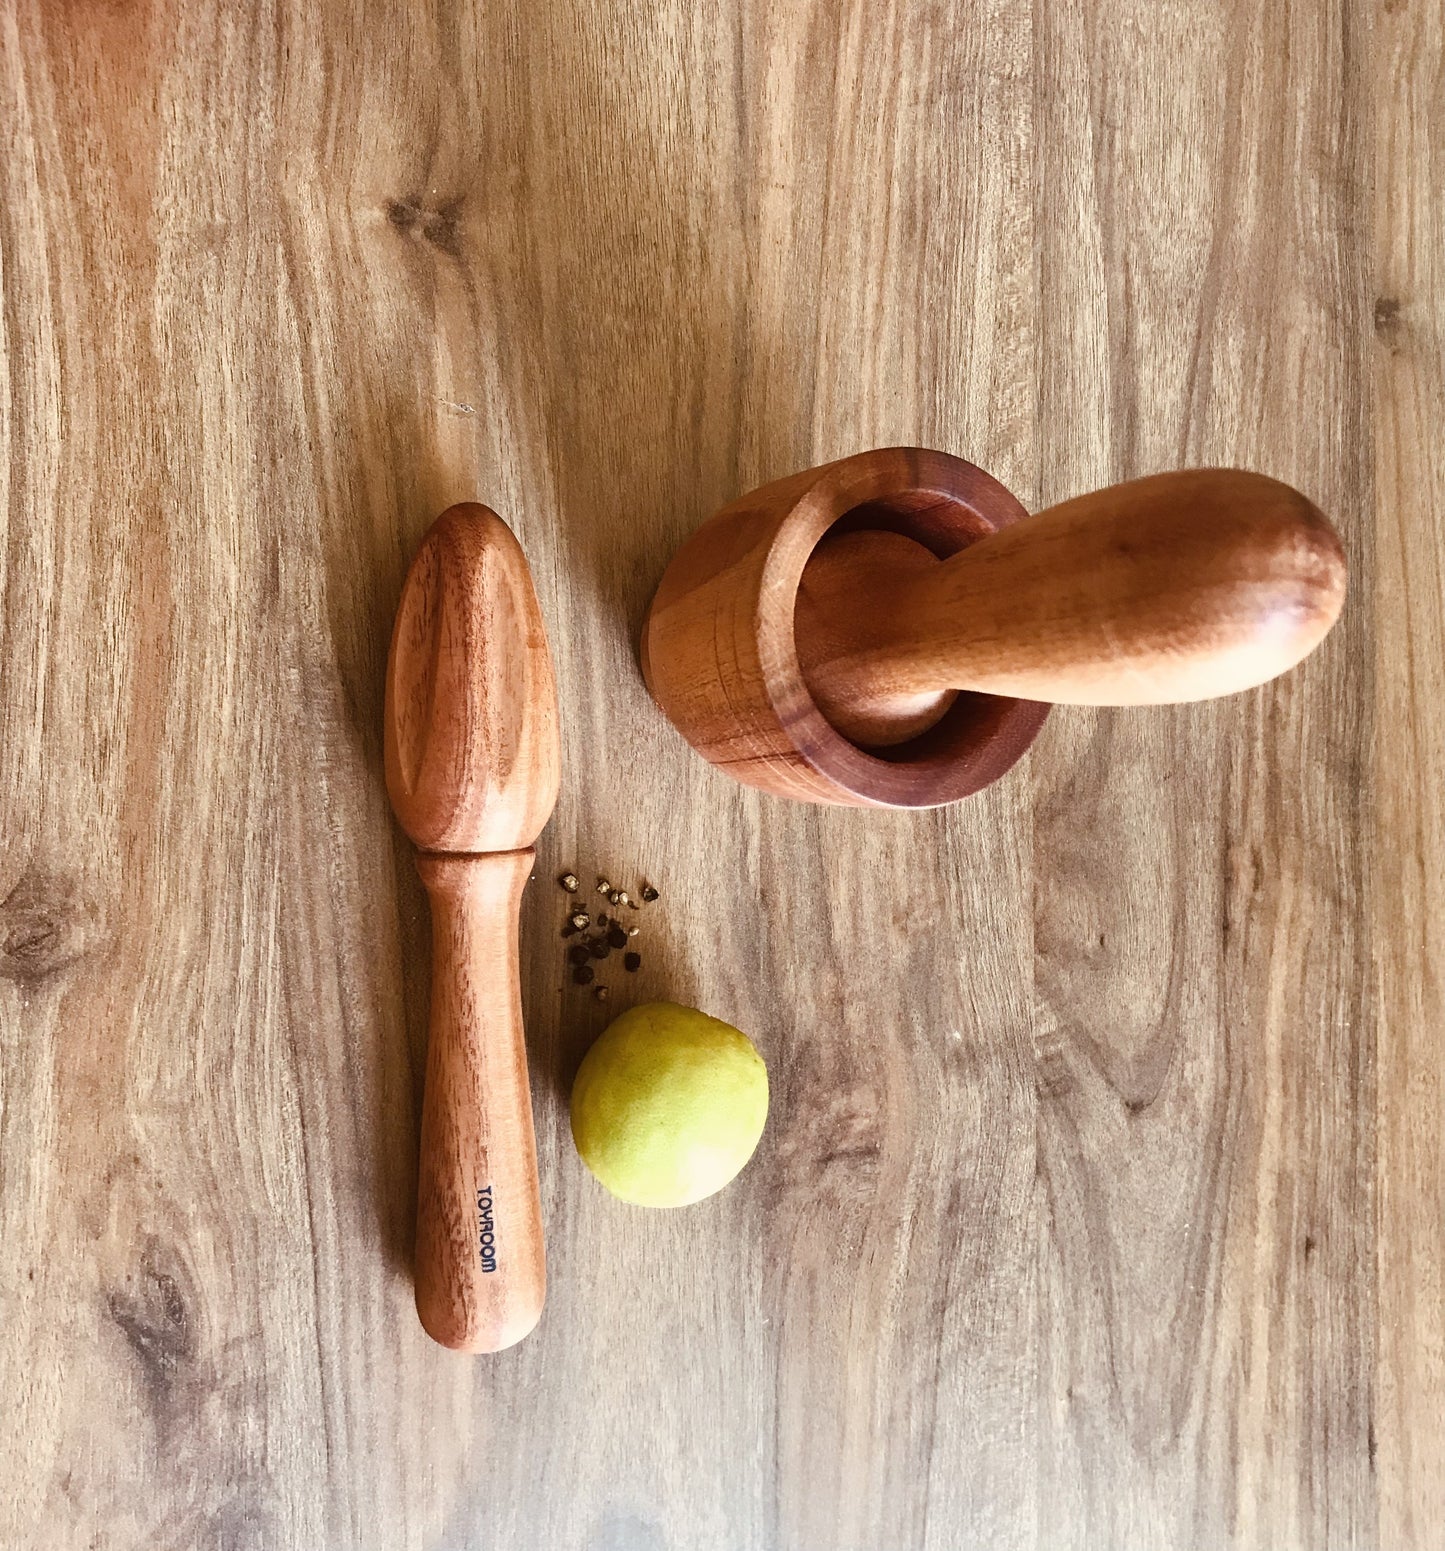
(890, 629)
(473, 765)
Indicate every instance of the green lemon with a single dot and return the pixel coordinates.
(668, 1105)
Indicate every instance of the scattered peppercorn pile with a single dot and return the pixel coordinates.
(599, 936)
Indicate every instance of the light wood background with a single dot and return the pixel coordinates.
(1101, 1201)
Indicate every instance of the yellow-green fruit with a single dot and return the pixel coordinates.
(668, 1105)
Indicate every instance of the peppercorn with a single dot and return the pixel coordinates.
(600, 933)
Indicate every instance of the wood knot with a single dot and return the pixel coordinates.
(435, 221)
(155, 1318)
(45, 926)
(835, 1143)
(1389, 323)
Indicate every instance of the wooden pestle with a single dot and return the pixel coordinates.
(473, 766)
(1176, 587)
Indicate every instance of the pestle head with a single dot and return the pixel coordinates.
(473, 757)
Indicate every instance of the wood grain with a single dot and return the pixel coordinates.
(1409, 757)
(1099, 1197)
(1201, 1015)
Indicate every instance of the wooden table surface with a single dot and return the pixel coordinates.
(1100, 1202)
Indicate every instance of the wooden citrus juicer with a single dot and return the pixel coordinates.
(889, 630)
(473, 765)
